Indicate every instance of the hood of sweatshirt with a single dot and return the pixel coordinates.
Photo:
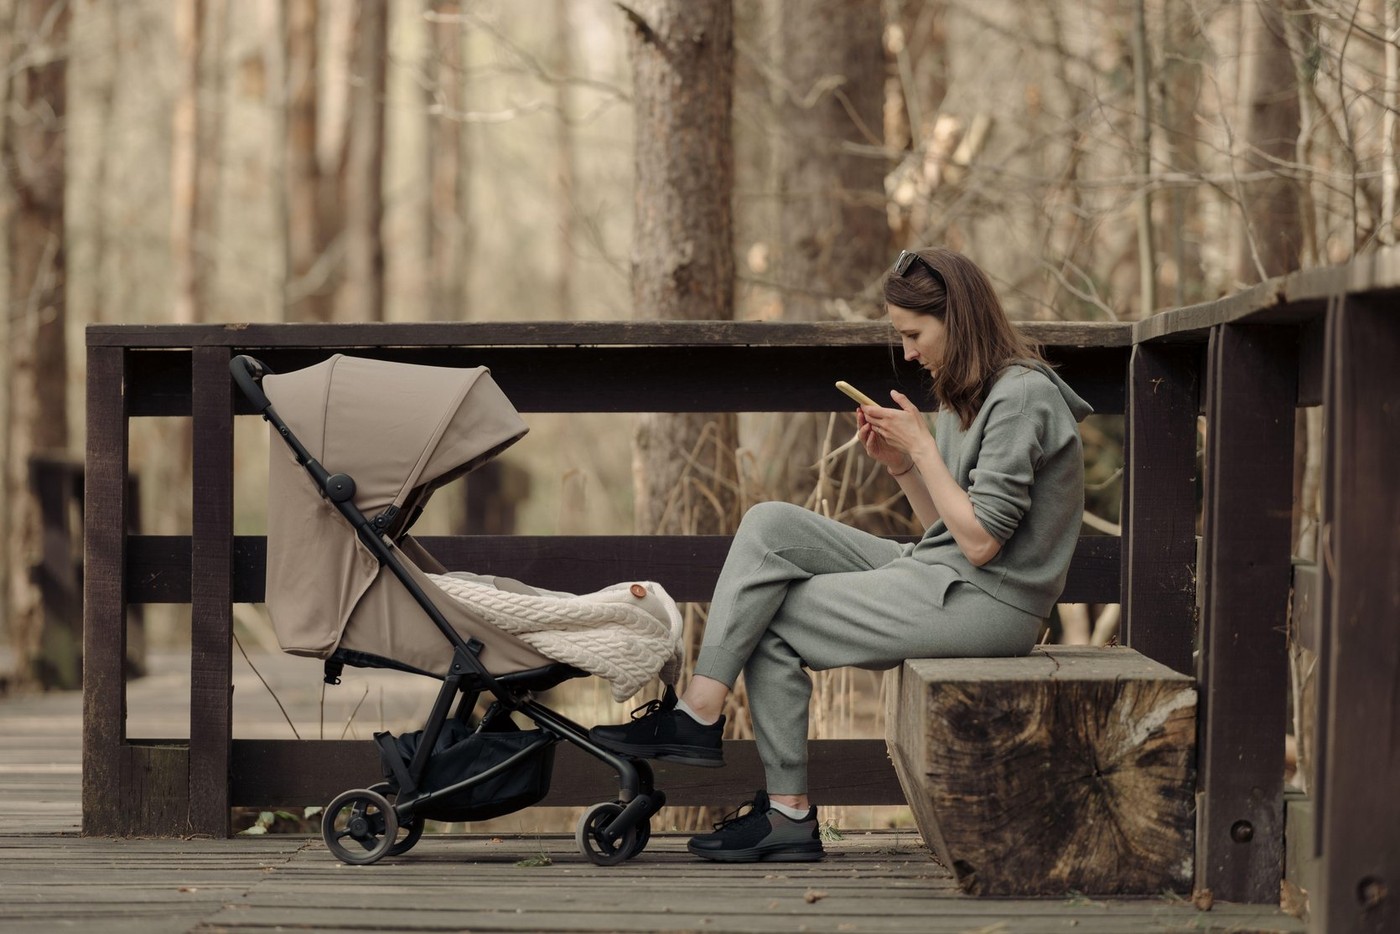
(1077, 406)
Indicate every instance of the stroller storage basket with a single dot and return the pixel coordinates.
(461, 753)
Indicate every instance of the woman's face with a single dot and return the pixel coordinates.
(924, 337)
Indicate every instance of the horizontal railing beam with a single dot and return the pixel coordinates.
(718, 378)
(351, 337)
(302, 773)
(158, 566)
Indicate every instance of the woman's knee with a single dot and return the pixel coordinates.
(762, 518)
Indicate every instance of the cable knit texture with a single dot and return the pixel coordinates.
(614, 633)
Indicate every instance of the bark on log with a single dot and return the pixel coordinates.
(1071, 770)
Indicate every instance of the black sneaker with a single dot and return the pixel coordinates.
(659, 731)
(761, 835)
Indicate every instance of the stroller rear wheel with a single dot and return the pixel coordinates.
(360, 827)
(410, 828)
(591, 842)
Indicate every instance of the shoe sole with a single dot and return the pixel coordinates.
(784, 853)
(682, 755)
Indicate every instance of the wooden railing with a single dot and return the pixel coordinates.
(1327, 337)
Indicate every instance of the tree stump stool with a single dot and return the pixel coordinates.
(1071, 770)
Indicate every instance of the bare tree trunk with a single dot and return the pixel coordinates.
(1142, 98)
(832, 66)
(185, 163)
(684, 465)
(836, 238)
(1272, 219)
(306, 295)
(105, 103)
(37, 410)
(564, 154)
(683, 251)
(1181, 77)
(211, 142)
(364, 165)
(447, 228)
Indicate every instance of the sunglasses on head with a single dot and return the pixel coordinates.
(906, 261)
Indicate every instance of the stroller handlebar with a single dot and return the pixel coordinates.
(248, 373)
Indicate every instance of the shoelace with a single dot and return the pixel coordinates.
(735, 819)
(649, 708)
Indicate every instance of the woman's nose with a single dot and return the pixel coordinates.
(910, 352)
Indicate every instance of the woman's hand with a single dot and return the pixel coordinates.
(895, 437)
(894, 459)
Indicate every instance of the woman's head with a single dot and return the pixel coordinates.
(951, 323)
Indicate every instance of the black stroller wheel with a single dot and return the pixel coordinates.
(360, 827)
(589, 836)
(658, 801)
(643, 835)
(410, 828)
(409, 832)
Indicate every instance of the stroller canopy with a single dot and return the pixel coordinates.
(399, 431)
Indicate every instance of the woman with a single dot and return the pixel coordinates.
(999, 488)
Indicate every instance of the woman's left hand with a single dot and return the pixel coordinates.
(903, 429)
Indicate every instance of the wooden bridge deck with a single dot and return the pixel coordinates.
(51, 878)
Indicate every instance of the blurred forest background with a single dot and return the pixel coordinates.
(504, 160)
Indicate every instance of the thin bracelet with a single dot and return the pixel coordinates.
(904, 471)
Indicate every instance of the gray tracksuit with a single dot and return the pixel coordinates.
(798, 589)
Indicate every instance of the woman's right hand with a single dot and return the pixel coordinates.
(894, 460)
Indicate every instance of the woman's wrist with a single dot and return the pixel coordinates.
(908, 466)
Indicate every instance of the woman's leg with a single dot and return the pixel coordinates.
(777, 545)
(872, 619)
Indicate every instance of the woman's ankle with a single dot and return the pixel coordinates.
(705, 697)
(796, 802)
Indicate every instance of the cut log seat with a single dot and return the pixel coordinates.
(1071, 770)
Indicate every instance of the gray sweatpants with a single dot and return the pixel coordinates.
(799, 589)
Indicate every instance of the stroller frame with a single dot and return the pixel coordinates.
(361, 826)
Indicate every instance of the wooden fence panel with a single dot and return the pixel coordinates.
(1358, 821)
(108, 793)
(1251, 396)
(1159, 566)
(211, 593)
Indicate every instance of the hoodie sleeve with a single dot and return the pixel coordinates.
(1001, 481)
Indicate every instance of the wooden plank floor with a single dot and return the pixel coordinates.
(53, 879)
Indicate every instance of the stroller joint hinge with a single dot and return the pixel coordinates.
(385, 518)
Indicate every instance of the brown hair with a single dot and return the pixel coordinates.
(981, 340)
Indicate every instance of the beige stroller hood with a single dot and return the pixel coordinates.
(398, 430)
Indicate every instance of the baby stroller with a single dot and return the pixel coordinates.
(367, 443)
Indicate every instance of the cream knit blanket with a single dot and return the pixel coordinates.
(627, 633)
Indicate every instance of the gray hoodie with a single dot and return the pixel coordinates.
(1022, 464)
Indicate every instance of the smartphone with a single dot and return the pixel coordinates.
(854, 393)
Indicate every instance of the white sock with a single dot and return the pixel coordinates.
(684, 708)
(788, 811)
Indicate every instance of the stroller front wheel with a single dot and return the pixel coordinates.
(360, 827)
(592, 843)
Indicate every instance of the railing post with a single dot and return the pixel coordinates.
(1357, 833)
(211, 592)
(1251, 395)
(1159, 531)
(104, 591)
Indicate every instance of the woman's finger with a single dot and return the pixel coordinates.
(903, 401)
